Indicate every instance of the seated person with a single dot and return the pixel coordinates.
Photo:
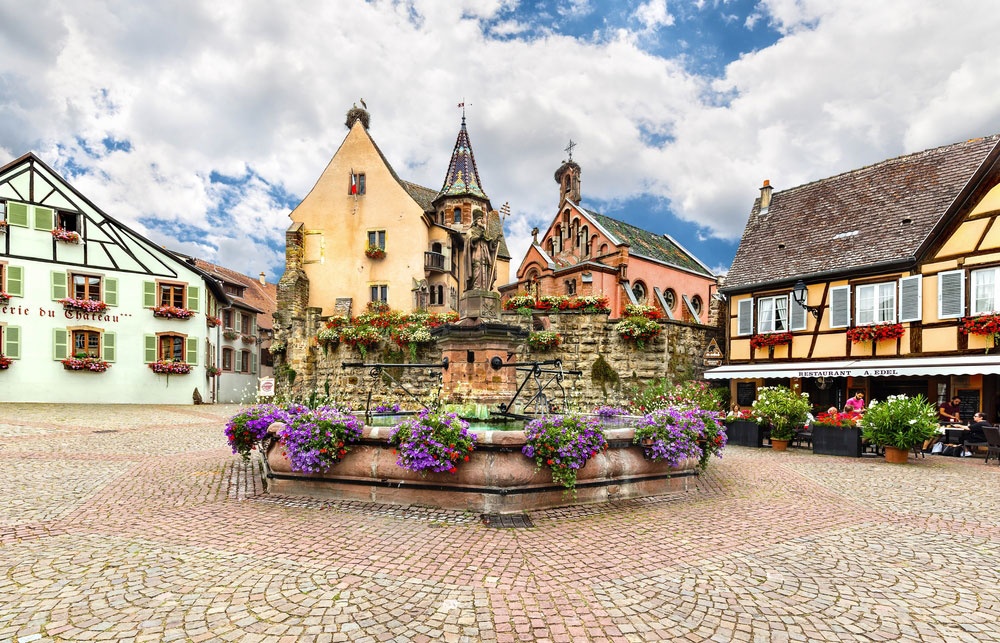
(856, 404)
(976, 433)
(948, 413)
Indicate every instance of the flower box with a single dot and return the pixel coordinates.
(829, 439)
(5, 362)
(230, 334)
(172, 312)
(3, 227)
(170, 367)
(64, 235)
(638, 330)
(770, 339)
(248, 339)
(875, 333)
(374, 252)
(86, 305)
(92, 364)
(213, 371)
(212, 322)
(4, 298)
(745, 433)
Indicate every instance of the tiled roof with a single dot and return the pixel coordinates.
(462, 178)
(862, 218)
(423, 196)
(647, 244)
(262, 298)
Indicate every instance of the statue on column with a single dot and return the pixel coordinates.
(483, 242)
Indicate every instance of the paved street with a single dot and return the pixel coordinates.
(137, 524)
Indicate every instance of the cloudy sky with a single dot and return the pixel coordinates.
(202, 124)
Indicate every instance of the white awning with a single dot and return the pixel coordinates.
(905, 367)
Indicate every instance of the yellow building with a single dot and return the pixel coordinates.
(363, 234)
(884, 280)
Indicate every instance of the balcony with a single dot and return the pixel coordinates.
(434, 261)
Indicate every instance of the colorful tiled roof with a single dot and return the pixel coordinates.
(866, 217)
(463, 177)
(647, 244)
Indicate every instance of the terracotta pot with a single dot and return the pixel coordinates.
(896, 456)
(779, 445)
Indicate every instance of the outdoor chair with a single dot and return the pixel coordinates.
(973, 446)
(992, 443)
(803, 438)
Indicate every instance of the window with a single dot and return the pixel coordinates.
(227, 318)
(357, 184)
(68, 221)
(171, 295)
(876, 304)
(376, 239)
(245, 362)
(696, 304)
(744, 317)
(227, 359)
(86, 287)
(571, 286)
(437, 295)
(985, 293)
(245, 324)
(639, 290)
(86, 342)
(456, 215)
(380, 293)
(772, 314)
(234, 289)
(670, 298)
(170, 347)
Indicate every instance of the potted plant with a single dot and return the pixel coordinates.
(212, 322)
(170, 367)
(675, 434)
(837, 434)
(213, 371)
(432, 442)
(638, 330)
(230, 334)
(783, 410)
(986, 324)
(875, 333)
(743, 430)
(83, 362)
(246, 429)
(4, 298)
(898, 424)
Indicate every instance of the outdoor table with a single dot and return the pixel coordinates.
(955, 433)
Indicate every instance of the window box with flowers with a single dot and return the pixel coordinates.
(278, 345)
(875, 333)
(248, 339)
(5, 362)
(374, 252)
(583, 303)
(987, 324)
(172, 312)
(4, 298)
(213, 371)
(836, 433)
(86, 305)
(770, 339)
(212, 322)
(638, 330)
(92, 364)
(64, 235)
(170, 367)
(3, 226)
(544, 340)
(230, 334)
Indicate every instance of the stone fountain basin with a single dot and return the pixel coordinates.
(497, 479)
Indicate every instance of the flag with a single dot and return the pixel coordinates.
(354, 182)
(462, 104)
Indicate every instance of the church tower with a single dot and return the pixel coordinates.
(568, 178)
(462, 193)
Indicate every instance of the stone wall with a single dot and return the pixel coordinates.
(587, 340)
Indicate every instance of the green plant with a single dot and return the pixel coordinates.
(900, 421)
(602, 374)
(638, 330)
(564, 444)
(544, 340)
(781, 408)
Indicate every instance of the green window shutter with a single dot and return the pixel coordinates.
(44, 219)
(15, 281)
(59, 290)
(192, 350)
(148, 295)
(238, 321)
(239, 362)
(109, 347)
(60, 343)
(253, 325)
(194, 296)
(12, 342)
(253, 363)
(111, 292)
(150, 352)
(17, 214)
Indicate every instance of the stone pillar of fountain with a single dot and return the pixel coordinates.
(469, 379)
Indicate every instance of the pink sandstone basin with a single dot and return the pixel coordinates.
(498, 478)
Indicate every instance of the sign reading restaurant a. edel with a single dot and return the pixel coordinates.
(852, 372)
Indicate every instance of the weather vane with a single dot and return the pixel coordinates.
(569, 149)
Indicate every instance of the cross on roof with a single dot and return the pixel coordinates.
(569, 149)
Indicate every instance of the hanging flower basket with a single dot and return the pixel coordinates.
(86, 305)
(230, 334)
(213, 371)
(64, 235)
(875, 333)
(374, 252)
(212, 322)
(172, 312)
(92, 364)
(770, 339)
(170, 367)
(5, 362)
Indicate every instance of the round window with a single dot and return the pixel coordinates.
(639, 290)
(696, 304)
(670, 297)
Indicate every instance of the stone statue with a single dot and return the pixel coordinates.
(481, 252)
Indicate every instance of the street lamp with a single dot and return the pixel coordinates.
(800, 295)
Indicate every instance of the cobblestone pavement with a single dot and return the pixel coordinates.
(136, 524)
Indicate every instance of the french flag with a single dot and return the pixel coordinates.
(354, 182)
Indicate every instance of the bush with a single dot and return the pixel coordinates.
(314, 440)
(246, 429)
(900, 421)
(564, 444)
(432, 441)
(782, 409)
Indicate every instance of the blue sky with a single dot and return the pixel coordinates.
(203, 124)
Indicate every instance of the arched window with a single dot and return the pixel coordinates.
(585, 238)
(639, 290)
(696, 304)
(457, 215)
(604, 249)
(670, 298)
(436, 247)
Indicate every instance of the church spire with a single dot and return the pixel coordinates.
(463, 177)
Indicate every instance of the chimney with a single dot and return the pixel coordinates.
(263, 281)
(765, 196)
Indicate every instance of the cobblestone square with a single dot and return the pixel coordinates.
(136, 523)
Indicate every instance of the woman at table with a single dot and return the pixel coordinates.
(948, 413)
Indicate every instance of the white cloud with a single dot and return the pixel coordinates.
(259, 91)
